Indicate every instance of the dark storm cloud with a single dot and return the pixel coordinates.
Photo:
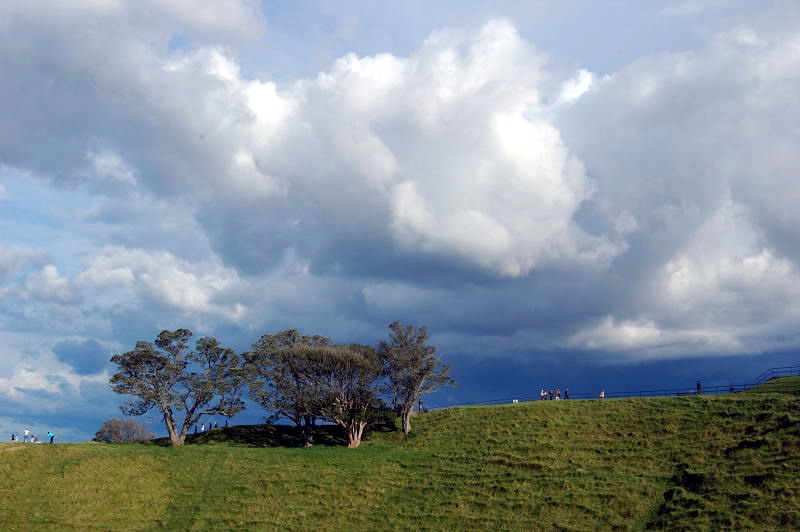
(87, 357)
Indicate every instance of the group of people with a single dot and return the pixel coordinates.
(211, 425)
(550, 395)
(29, 437)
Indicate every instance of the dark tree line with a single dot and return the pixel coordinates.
(301, 378)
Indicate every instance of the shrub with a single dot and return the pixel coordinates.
(117, 430)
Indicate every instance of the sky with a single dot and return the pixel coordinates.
(576, 193)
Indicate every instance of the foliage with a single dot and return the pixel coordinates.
(345, 382)
(684, 463)
(168, 376)
(280, 382)
(412, 367)
(116, 430)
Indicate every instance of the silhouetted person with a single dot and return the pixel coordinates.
(226, 423)
(566, 393)
(550, 393)
(699, 388)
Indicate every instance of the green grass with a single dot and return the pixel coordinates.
(778, 385)
(683, 463)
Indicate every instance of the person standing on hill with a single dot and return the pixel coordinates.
(566, 394)
(550, 392)
(699, 388)
(602, 394)
(558, 394)
(26, 435)
(51, 436)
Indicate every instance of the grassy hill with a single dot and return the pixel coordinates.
(778, 385)
(697, 462)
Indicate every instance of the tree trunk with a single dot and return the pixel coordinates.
(175, 439)
(308, 431)
(354, 434)
(406, 421)
(408, 410)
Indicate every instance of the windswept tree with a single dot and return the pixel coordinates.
(281, 380)
(182, 384)
(348, 380)
(412, 367)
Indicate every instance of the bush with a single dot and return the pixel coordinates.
(117, 430)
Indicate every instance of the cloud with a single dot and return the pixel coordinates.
(162, 278)
(447, 153)
(87, 357)
(695, 147)
(39, 383)
(455, 143)
(48, 285)
(239, 19)
(469, 185)
(15, 259)
(691, 7)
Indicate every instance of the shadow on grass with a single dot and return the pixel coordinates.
(272, 435)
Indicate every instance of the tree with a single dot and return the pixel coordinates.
(280, 379)
(117, 430)
(347, 380)
(173, 379)
(412, 368)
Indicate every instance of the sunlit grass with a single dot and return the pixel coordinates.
(698, 462)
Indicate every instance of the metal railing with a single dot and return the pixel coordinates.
(762, 382)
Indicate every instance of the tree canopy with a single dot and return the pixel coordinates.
(412, 368)
(346, 380)
(280, 379)
(182, 384)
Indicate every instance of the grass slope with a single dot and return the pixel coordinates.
(706, 462)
